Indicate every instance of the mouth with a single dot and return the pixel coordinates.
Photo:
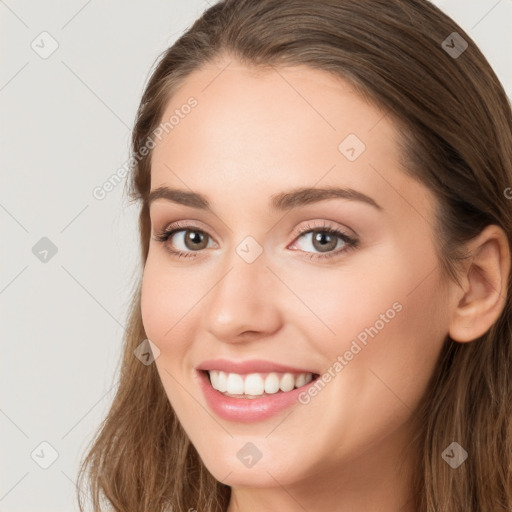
(257, 385)
(252, 391)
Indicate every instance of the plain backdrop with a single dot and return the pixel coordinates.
(71, 76)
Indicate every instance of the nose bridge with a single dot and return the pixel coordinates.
(241, 299)
(245, 265)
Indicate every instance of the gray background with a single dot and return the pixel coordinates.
(65, 130)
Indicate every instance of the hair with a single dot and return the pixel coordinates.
(455, 136)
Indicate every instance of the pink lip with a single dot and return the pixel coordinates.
(250, 366)
(248, 410)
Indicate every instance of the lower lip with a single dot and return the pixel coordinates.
(248, 410)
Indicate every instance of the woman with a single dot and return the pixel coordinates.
(323, 320)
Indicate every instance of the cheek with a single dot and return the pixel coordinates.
(166, 310)
(393, 293)
(167, 303)
(387, 319)
(388, 328)
(152, 303)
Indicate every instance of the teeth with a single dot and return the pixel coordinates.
(272, 383)
(301, 380)
(235, 384)
(257, 384)
(222, 382)
(253, 385)
(287, 382)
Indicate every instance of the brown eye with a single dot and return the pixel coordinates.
(192, 239)
(183, 240)
(195, 239)
(324, 241)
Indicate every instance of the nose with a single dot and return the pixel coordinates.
(243, 302)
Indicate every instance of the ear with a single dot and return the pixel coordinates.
(484, 285)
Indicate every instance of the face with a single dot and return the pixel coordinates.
(345, 287)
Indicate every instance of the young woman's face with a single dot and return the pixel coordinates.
(368, 318)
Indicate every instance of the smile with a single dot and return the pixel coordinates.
(254, 403)
(254, 385)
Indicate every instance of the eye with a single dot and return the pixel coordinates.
(192, 240)
(325, 239)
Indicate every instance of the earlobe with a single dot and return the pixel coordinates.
(485, 285)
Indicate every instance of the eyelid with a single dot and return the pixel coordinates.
(180, 224)
(310, 226)
(184, 225)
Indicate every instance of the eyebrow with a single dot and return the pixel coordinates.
(278, 202)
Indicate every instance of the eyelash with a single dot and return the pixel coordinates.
(351, 242)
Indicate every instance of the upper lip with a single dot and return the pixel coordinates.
(249, 366)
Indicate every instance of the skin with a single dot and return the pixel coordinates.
(254, 134)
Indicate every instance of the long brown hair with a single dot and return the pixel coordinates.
(455, 126)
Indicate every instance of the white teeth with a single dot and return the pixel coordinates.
(253, 385)
(287, 382)
(272, 383)
(214, 379)
(222, 382)
(257, 384)
(301, 380)
(235, 384)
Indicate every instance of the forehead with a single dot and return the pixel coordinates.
(271, 110)
(252, 133)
